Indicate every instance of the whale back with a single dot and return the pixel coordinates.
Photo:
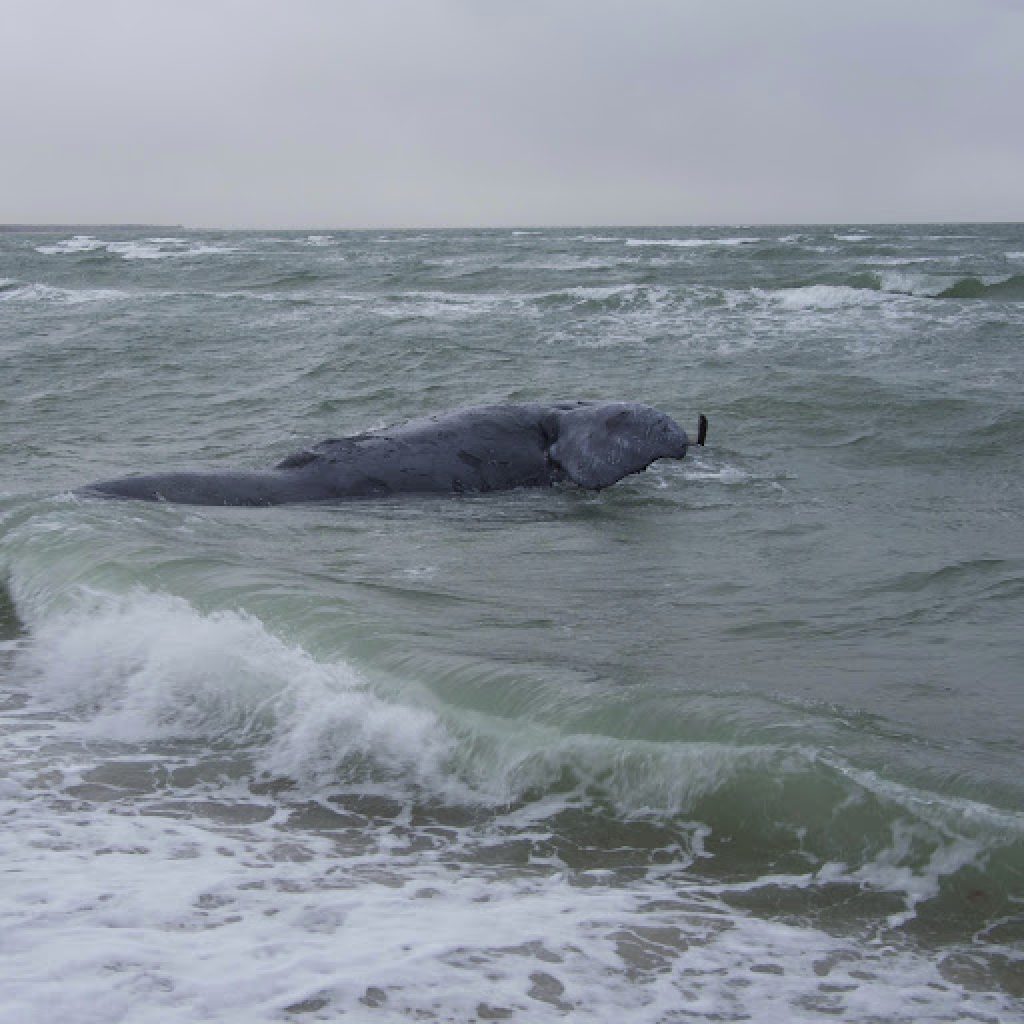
(472, 449)
(601, 443)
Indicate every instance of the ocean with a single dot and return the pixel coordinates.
(738, 738)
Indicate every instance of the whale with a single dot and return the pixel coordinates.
(475, 449)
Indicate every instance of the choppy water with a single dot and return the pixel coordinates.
(739, 738)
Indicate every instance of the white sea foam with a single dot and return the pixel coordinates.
(823, 296)
(897, 261)
(892, 284)
(150, 667)
(136, 249)
(211, 250)
(589, 293)
(79, 243)
(157, 908)
(853, 238)
(690, 243)
(139, 250)
(37, 292)
(158, 249)
(909, 283)
(447, 305)
(569, 262)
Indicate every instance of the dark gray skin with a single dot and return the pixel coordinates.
(479, 448)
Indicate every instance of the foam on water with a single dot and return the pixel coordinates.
(823, 296)
(37, 292)
(148, 667)
(155, 248)
(163, 248)
(76, 244)
(447, 306)
(871, 290)
(691, 243)
(119, 916)
(898, 261)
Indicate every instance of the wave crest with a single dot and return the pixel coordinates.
(149, 666)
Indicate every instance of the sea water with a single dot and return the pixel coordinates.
(736, 739)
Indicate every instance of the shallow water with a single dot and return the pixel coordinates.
(737, 738)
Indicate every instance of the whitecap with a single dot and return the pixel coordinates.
(180, 921)
(79, 243)
(147, 666)
(37, 292)
(823, 296)
(211, 250)
(897, 261)
(690, 243)
(138, 250)
(444, 305)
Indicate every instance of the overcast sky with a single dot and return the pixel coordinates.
(411, 113)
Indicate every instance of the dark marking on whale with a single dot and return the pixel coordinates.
(474, 449)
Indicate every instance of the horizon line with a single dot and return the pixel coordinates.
(27, 226)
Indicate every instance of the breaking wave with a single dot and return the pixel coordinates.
(869, 289)
(155, 248)
(149, 667)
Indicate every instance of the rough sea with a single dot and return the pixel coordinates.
(739, 738)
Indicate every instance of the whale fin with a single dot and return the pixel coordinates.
(598, 445)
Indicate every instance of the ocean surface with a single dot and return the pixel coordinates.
(739, 738)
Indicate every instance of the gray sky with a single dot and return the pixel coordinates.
(409, 113)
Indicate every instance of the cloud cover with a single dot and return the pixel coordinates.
(410, 113)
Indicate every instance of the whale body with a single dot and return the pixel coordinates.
(474, 449)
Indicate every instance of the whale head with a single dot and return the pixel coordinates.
(599, 444)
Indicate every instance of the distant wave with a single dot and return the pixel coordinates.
(690, 243)
(16, 291)
(79, 243)
(1011, 288)
(869, 289)
(823, 296)
(135, 249)
(603, 298)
